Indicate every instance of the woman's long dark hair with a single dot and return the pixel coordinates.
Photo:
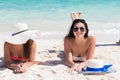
(27, 47)
(71, 35)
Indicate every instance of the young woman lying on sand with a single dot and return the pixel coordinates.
(20, 48)
(78, 46)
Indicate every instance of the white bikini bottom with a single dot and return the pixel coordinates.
(78, 58)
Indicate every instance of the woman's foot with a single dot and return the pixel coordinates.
(79, 14)
(72, 16)
(75, 15)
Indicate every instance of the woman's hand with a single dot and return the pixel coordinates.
(81, 66)
(20, 68)
(77, 67)
(73, 68)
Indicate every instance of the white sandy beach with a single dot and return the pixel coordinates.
(51, 54)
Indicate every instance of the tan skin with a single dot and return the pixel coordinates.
(75, 15)
(79, 47)
(18, 51)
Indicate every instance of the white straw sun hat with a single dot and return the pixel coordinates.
(21, 34)
(97, 66)
(95, 63)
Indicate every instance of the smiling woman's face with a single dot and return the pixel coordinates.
(79, 30)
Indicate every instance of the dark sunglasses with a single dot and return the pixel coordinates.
(75, 29)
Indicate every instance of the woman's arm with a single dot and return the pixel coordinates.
(7, 59)
(31, 59)
(91, 47)
(68, 54)
(91, 50)
(11, 65)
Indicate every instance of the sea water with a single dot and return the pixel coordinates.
(52, 17)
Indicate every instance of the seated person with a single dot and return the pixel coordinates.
(20, 48)
(118, 42)
(78, 46)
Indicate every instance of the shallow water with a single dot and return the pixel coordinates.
(52, 17)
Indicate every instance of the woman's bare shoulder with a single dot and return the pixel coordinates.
(68, 40)
(91, 38)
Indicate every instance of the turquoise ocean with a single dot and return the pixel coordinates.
(52, 17)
